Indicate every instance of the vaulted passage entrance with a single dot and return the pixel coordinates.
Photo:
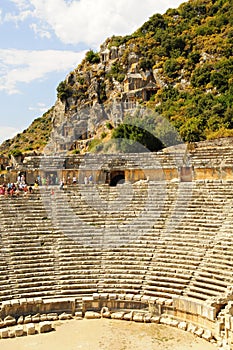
(117, 177)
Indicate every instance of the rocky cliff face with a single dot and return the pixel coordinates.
(101, 92)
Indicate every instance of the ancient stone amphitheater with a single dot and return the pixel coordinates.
(156, 248)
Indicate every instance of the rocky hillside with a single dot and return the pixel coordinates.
(180, 65)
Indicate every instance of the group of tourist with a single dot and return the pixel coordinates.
(14, 189)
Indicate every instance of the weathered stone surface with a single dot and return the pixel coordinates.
(52, 317)
(45, 327)
(129, 296)
(168, 302)
(182, 325)
(199, 332)
(30, 328)
(155, 319)
(128, 316)
(20, 320)
(90, 315)
(105, 312)
(160, 301)
(145, 299)
(96, 296)
(207, 335)
(174, 323)
(27, 319)
(4, 333)
(11, 333)
(64, 316)
(191, 328)
(103, 296)
(1, 323)
(19, 331)
(78, 314)
(165, 320)
(137, 317)
(147, 318)
(43, 318)
(36, 318)
(118, 315)
(112, 296)
(9, 321)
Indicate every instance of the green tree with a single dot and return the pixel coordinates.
(92, 57)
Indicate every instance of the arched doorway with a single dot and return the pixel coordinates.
(117, 177)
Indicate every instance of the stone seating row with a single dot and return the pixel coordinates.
(179, 248)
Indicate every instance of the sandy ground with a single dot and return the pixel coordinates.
(108, 335)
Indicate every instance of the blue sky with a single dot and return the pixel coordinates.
(41, 41)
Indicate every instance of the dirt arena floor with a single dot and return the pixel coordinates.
(107, 334)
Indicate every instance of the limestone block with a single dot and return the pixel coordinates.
(168, 302)
(15, 302)
(129, 297)
(137, 297)
(145, 299)
(165, 320)
(121, 296)
(90, 315)
(152, 300)
(147, 318)
(137, 317)
(64, 316)
(43, 318)
(36, 318)
(174, 323)
(31, 330)
(1, 323)
(191, 328)
(155, 319)
(87, 299)
(182, 325)
(78, 314)
(160, 301)
(96, 296)
(11, 333)
(103, 296)
(38, 300)
(199, 332)
(9, 321)
(207, 335)
(112, 296)
(128, 316)
(52, 316)
(27, 319)
(118, 315)
(23, 301)
(20, 320)
(6, 303)
(4, 333)
(105, 312)
(45, 327)
(19, 331)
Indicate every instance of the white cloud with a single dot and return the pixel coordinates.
(7, 132)
(39, 108)
(22, 66)
(40, 32)
(89, 21)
